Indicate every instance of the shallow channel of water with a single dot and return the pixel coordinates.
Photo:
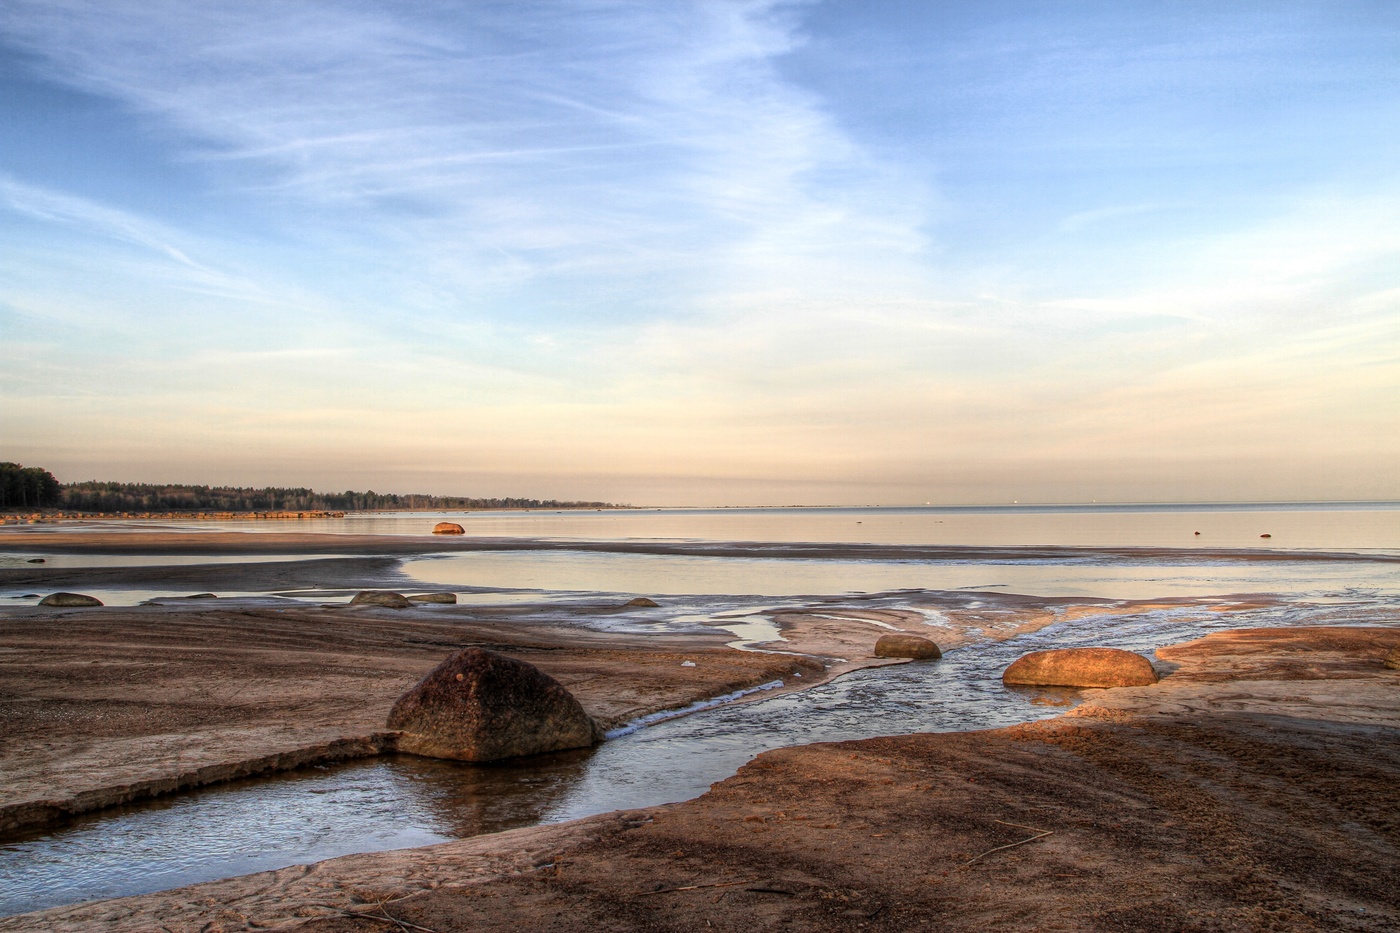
(400, 801)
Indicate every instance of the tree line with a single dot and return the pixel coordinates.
(32, 487)
(28, 488)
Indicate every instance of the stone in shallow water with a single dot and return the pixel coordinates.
(381, 598)
(482, 706)
(445, 598)
(1081, 667)
(69, 599)
(448, 528)
(907, 646)
(1392, 660)
(640, 602)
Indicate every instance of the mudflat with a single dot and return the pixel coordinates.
(1252, 789)
(109, 705)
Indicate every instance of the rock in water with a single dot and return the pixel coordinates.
(446, 598)
(69, 599)
(1081, 667)
(448, 528)
(380, 598)
(1392, 660)
(907, 646)
(640, 602)
(481, 706)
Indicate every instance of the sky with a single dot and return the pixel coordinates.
(706, 253)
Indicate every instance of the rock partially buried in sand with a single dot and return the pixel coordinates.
(1081, 667)
(641, 602)
(449, 598)
(381, 598)
(448, 528)
(482, 706)
(1392, 660)
(907, 646)
(69, 600)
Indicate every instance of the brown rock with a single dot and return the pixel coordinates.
(482, 706)
(448, 528)
(1392, 660)
(381, 598)
(446, 598)
(907, 646)
(641, 602)
(69, 599)
(1081, 667)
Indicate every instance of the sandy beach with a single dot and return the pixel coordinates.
(1252, 789)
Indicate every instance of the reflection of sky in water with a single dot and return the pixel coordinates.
(363, 806)
(653, 574)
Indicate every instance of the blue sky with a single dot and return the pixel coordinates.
(706, 253)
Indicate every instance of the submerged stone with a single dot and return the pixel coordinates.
(381, 598)
(1081, 667)
(69, 600)
(1392, 660)
(641, 602)
(482, 706)
(907, 646)
(446, 598)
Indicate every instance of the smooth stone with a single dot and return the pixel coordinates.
(448, 528)
(380, 598)
(641, 602)
(36, 560)
(1392, 660)
(445, 598)
(69, 600)
(482, 706)
(1081, 667)
(907, 646)
(201, 596)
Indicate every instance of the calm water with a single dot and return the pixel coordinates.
(366, 806)
(1292, 525)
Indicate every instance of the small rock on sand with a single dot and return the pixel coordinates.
(1081, 667)
(381, 598)
(446, 598)
(448, 528)
(69, 600)
(1392, 660)
(641, 602)
(907, 646)
(482, 706)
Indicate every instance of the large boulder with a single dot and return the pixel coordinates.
(640, 602)
(381, 598)
(907, 646)
(1392, 660)
(448, 528)
(69, 600)
(482, 706)
(1081, 667)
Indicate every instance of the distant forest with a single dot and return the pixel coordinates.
(32, 487)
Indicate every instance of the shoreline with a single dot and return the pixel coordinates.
(1210, 801)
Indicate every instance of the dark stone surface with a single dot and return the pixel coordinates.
(482, 706)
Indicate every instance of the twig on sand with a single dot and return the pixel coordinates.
(696, 887)
(386, 918)
(1039, 834)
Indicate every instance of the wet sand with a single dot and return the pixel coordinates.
(1253, 789)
